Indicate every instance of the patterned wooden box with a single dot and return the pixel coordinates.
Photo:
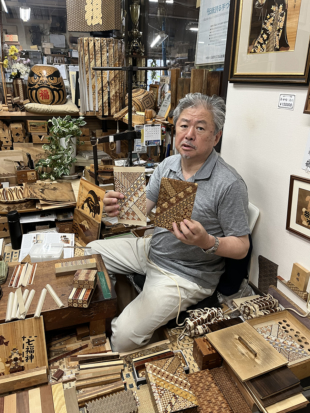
(169, 387)
(27, 175)
(175, 202)
(205, 355)
(85, 279)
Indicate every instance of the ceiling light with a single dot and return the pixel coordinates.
(156, 1)
(4, 6)
(24, 13)
(194, 29)
(159, 39)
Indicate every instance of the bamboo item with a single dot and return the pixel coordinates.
(14, 307)
(54, 296)
(28, 303)
(40, 303)
(20, 301)
(9, 307)
(18, 313)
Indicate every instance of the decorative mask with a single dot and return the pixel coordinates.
(46, 86)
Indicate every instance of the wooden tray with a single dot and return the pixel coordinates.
(12, 195)
(298, 333)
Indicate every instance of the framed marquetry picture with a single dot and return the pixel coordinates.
(298, 211)
(270, 41)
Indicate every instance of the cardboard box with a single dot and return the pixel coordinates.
(10, 38)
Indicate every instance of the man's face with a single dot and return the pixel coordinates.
(195, 137)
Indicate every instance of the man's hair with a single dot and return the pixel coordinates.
(214, 104)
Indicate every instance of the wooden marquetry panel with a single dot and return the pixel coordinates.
(98, 75)
(92, 73)
(59, 398)
(246, 351)
(90, 200)
(23, 347)
(35, 405)
(104, 57)
(85, 227)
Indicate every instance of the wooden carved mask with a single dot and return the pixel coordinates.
(46, 86)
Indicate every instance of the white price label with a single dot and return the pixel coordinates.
(286, 102)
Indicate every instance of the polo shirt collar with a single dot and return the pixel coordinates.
(203, 173)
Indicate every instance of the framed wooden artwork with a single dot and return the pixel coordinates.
(298, 211)
(270, 41)
(86, 229)
(90, 200)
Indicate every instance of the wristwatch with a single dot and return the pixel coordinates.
(213, 249)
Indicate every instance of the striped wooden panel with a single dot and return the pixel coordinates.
(117, 75)
(35, 401)
(22, 402)
(112, 76)
(47, 399)
(82, 75)
(71, 400)
(92, 73)
(98, 74)
(104, 55)
(1, 404)
(10, 404)
(59, 398)
(86, 63)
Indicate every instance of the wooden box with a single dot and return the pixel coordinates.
(40, 138)
(26, 175)
(64, 227)
(300, 277)
(17, 127)
(205, 355)
(284, 326)
(6, 147)
(4, 227)
(85, 279)
(21, 139)
(85, 133)
(7, 141)
(37, 126)
(5, 134)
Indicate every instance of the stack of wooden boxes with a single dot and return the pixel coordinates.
(39, 132)
(5, 137)
(18, 133)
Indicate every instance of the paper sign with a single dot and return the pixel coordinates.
(286, 102)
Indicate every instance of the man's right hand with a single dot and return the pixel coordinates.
(110, 202)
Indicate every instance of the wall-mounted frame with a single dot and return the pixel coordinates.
(270, 41)
(298, 210)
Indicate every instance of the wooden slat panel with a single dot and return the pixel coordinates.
(35, 401)
(98, 74)
(59, 398)
(197, 80)
(175, 75)
(213, 81)
(112, 76)
(86, 63)
(47, 399)
(29, 378)
(10, 404)
(22, 402)
(242, 360)
(91, 44)
(289, 405)
(71, 400)
(104, 53)
(117, 75)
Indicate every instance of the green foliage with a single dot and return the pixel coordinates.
(60, 159)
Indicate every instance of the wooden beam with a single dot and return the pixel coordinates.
(213, 83)
(197, 80)
(29, 378)
(175, 75)
(92, 373)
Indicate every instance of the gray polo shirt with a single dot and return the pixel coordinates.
(221, 206)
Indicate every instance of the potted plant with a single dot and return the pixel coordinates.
(63, 137)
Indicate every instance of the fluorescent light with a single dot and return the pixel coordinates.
(156, 1)
(24, 13)
(194, 29)
(157, 39)
(4, 6)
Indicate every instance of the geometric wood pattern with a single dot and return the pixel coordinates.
(246, 351)
(90, 200)
(131, 183)
(209, 397)
(267, 274)
(175, 202)
(171, 391)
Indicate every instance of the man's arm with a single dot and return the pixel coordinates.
(149, 206)
(193, 233)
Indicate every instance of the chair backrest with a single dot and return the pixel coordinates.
(253, 215)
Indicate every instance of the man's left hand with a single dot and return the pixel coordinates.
(193, 233)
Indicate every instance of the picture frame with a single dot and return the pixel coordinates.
(298, 210)
(258, 54)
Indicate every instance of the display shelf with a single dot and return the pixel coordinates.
(39, 115)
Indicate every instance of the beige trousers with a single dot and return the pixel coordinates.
(156, 304)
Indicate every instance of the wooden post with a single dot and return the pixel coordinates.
(197, 80)
(175, 75)
(3, 82)
(213, 84)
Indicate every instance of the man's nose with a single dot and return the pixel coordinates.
(190, 134)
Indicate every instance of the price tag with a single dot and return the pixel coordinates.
(286, 102)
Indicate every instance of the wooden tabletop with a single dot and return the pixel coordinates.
(54, 317)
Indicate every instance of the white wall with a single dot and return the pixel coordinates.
(266, 145)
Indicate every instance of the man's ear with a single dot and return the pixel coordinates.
(218, 137)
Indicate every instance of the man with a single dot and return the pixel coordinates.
(182, 267)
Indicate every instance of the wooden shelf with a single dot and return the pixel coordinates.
(41, 115)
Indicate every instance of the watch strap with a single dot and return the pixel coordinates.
(213, 249)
